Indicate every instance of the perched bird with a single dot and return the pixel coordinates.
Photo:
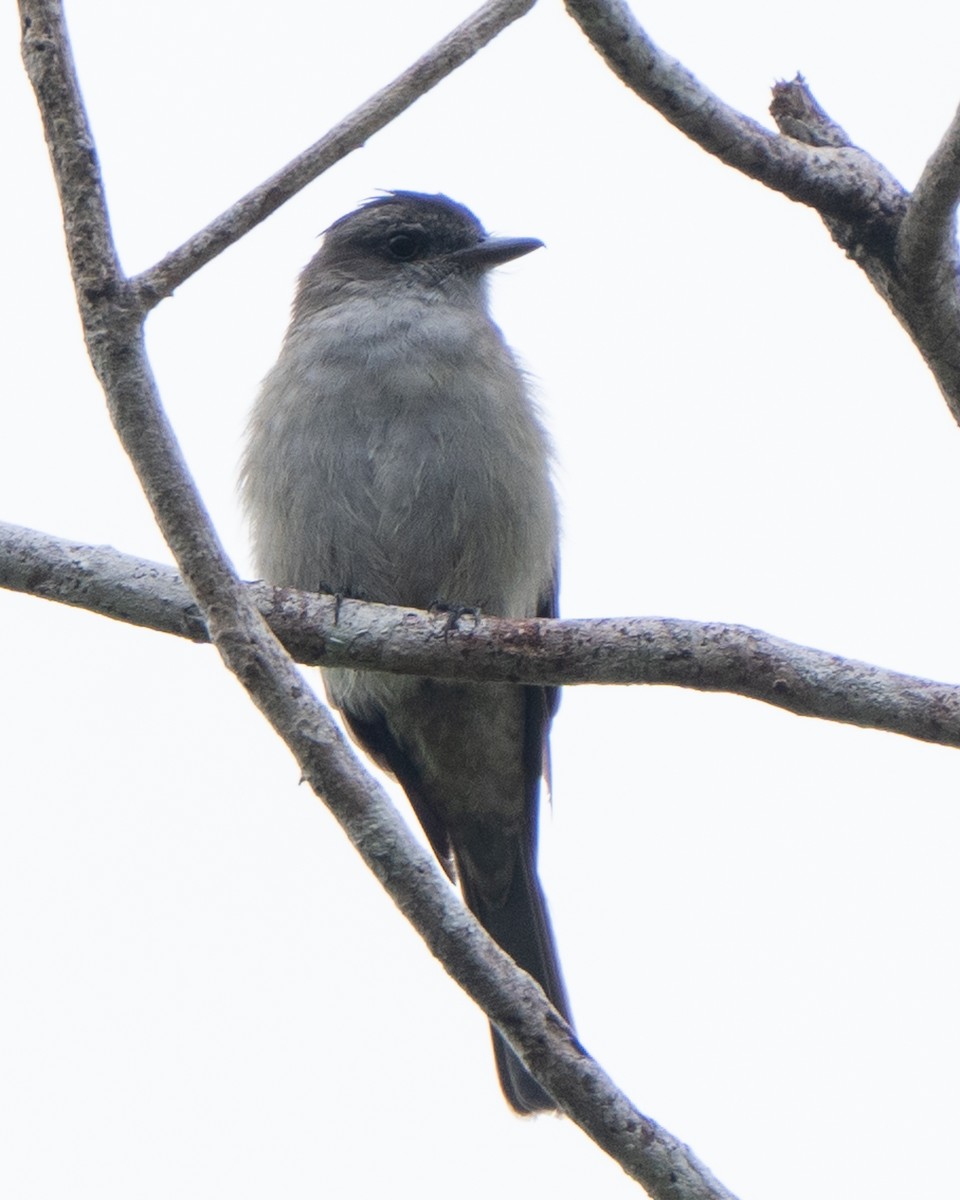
(395, 455)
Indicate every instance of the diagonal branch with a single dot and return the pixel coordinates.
(904, 244)
(112, 323)
(911, 260)
(831, 178)
(927, 248)
(348, 135)
(317, 631)
(927, 258)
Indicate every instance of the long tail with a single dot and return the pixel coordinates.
(521, 926)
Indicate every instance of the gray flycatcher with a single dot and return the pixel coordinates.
(395, 455)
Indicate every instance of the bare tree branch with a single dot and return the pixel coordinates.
(927, 248)
(927, 257)
(905, 245)
(911, 260)
(112, 321)
(832, 178)
(317, 630)
(348, 135)
(101, 580)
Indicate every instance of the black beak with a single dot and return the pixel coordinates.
(491, 252)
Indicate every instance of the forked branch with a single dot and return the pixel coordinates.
(905, 243)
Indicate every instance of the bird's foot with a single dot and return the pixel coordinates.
(455, 612)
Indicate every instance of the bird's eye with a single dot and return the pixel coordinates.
(405, 246)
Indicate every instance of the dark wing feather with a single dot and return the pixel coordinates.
(374, 736)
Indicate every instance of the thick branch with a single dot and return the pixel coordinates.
(651, 650)
(927, 248)
(348, 135)
(927, 259)
(512, 1000)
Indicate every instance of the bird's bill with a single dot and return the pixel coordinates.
(491, 252)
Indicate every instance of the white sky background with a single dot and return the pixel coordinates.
(204, 993)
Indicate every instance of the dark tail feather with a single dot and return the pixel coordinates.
(521, 926)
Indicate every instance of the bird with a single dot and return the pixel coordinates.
(394, 454)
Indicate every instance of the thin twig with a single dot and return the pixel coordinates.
(320, 631)
(346, 136)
